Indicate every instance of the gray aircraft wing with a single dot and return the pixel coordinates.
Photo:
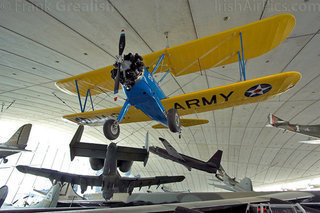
(172, 151)
(149, 181)
(225, 187)
(54, 175)
(12, 149)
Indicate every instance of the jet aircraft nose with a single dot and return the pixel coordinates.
(112, 145)
(21, 168)
(161, 139)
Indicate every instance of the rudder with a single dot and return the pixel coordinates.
(216, 159)
(272, 119)
(20, 137)
(246, 183)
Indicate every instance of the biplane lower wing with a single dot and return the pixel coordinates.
(184, 122)
(240, 93)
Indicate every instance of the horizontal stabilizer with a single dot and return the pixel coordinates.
(184, 123)
(93, 150)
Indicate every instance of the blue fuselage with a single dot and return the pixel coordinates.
(146, 95)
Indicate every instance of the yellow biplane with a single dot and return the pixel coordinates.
(150, 103)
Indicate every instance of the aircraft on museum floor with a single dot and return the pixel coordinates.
(16, 143)
(136, 76)
(211, 166)
(310, 130)
(50, 199)
(106, 157)
(230, 184)
(47, 201)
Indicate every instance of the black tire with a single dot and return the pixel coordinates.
(111, 129)
(173, 120)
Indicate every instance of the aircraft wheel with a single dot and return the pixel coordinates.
(111, 129)
(173, 120)
(5, 160)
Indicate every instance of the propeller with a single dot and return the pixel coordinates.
(122, 44)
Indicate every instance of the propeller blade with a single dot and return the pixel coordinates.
(122, 42)
(116, 81)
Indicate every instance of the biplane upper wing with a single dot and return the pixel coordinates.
(212, 51)
(240, 93)
(222, 48)
(98, 81)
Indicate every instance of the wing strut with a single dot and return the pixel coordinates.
(85, 102)
(156, 67)
(242, 65)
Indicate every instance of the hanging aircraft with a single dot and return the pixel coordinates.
(211, 166)
(16, 143)
(106, 157)
(136, 76)
(310, 130)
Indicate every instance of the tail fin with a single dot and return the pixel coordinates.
(272, 119)
(215, 160)
(146, 146)
(20, 137)
(76, 139)
(246, 183)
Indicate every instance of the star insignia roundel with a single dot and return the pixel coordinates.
(257, 90)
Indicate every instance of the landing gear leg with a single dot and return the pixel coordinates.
(111, 129)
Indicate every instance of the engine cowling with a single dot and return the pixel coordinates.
(124, 166)
(96, 163)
